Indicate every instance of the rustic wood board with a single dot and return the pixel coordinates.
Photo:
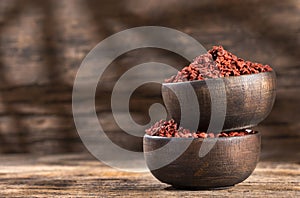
(44, 42)
(82, 176)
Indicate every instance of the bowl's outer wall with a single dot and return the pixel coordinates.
(249, 100)
(229, 162)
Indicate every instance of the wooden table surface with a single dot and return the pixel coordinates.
(80, 175)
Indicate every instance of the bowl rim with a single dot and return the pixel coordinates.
(257, 134)
(228, 77)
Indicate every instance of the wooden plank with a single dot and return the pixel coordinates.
(286, 107)
(43, 44)
(83, 176)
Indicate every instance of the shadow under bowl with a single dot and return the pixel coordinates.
(235, 102)
(229, 161)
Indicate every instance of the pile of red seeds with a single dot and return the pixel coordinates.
(215, 64)
(201, 68)
(170, 128)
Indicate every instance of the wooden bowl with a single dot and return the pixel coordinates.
(249, 99)
(230, 161)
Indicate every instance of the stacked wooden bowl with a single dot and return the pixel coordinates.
(249, 100)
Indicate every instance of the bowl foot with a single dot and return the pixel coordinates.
(198, 188)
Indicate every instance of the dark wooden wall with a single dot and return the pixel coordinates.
(44, 42)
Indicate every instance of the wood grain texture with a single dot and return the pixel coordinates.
(42, 46)
(229, 162)
(44, 42)
(244, 101)
(82, 176)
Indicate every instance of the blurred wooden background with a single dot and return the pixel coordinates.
(44, 42)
